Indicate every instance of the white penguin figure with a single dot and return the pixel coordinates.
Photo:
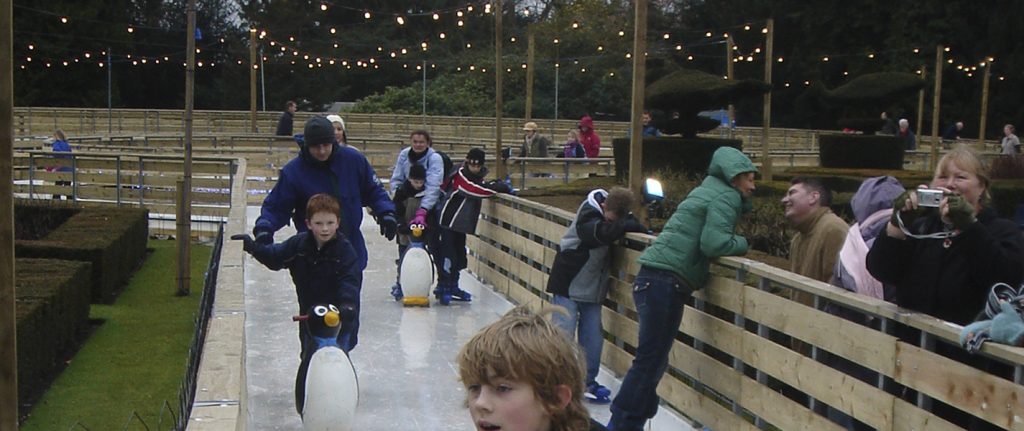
(331, 387)
(416, 274)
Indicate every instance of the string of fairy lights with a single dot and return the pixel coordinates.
(288, 50)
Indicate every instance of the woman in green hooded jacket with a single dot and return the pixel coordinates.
(676, 264)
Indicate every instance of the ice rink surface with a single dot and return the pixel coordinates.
(405, 360)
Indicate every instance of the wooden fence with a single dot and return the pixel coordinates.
(126, 179)
(732, 366)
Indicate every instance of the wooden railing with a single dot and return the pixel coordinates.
(532, 172)
(126, 179)
(734, 365)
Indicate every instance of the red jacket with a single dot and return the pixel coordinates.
(589, 139)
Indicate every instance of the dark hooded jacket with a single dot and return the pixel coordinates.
(703, 226)
(346, 175)
(580, 271)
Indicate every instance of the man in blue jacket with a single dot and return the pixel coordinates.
(323, 166)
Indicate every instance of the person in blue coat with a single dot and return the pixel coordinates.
(323, 166)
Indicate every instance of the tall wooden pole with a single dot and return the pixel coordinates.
(530, 39)
(498, 71)
(920, 103)
(252, 79)
(984, 105)
(8, 324)
(183, 218)
(766, 156)
(936, 100)
(636, 141)
(729, 43)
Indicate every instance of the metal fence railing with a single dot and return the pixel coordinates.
(187, 390)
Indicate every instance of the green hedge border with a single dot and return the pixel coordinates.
(113, 240)
(52, 313)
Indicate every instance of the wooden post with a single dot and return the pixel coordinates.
(8, 323)
(636, 141)
(183, 216)
(766, 156)
(252, 79)
(729, 74)
(529, 74)
(936, 99)
(920, 102)
(498, 71)
(984, 105)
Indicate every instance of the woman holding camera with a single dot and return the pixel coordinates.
(943, 258)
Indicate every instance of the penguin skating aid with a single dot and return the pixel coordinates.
(416, 275)
(330, 386)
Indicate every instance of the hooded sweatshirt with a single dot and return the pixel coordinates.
(703, 226)
(346, 175)
(872, 207)
(588, 138)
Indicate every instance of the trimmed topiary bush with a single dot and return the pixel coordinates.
(689, 92)
(671, 154)
(113, 240)
(34, 218)
(52, 313)
(860, 151)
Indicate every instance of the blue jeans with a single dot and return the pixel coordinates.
(589, 331)
(660, 298)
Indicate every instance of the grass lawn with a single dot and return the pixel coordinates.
(135, 359)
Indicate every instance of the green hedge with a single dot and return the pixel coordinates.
(52, 312)
(671, 154)
(860, 151)
(35, 218)
(113, 240)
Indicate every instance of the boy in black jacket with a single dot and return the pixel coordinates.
(465, 191)
(407, 200)
(579, 275)
(325, 270)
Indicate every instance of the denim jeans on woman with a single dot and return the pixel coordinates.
(660, 297)
(589, 331)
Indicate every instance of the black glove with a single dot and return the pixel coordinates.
(347, 312)
(631, 224)
(499, 186)
(959, 212)
(263, 235)
(388, 225)
(248, 244)
(909, 216)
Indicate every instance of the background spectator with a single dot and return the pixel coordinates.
(286, 121)
(1010, 144)
(589, 138)
(534, 145)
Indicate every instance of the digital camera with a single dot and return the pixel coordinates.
(929, 197)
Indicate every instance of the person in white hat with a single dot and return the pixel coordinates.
(534, 145)
(339, 129)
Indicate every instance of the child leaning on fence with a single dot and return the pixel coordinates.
(579, 275)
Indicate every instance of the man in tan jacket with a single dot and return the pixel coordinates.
(820, 233)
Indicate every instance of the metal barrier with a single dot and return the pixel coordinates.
(187, 390)
(747, 357)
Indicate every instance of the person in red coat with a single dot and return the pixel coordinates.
(588, 138)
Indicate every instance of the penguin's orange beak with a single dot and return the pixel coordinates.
(332, 319)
